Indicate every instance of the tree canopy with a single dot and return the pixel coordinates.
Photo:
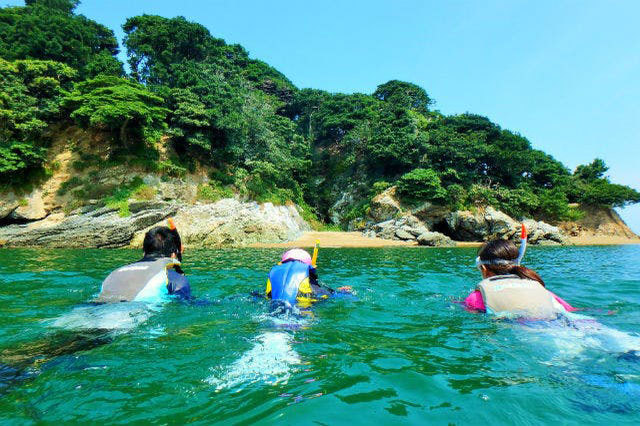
(254, 129)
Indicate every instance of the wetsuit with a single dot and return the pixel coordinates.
(295, 282)
(146, 280)
(514, 294)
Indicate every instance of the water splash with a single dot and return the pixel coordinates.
(269, 361)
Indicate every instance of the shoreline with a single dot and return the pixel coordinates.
(338, 239)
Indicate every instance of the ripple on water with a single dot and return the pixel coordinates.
(402, 351)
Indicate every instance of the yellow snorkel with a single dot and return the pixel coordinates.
(314, 259)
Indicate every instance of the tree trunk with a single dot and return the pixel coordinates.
(123, 133)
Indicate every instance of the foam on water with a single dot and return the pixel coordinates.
(270, 361)
(122, 317)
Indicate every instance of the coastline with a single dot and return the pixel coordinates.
(337, 239)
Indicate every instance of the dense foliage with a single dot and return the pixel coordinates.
(257, 133)
(30, 95)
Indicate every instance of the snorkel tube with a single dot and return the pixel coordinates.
(176, 235)
(523, 245)
(314, 259)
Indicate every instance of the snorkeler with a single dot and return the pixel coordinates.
(295, 280)
(151, 279)
(158, 273)
(510, 289)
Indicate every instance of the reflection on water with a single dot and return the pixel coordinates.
(402, 352)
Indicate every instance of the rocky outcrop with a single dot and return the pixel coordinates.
(228, 222)
(30, 208)
(389, 219)
(385, 206)
(597, 222)
(435, 239)
(90, 227)
(543, 233)
(406, 228)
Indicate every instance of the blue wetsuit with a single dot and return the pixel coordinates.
(293, 281)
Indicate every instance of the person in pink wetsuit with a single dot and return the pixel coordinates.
(509, 286)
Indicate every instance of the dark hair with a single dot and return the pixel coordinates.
(507, 250)
(162, 240)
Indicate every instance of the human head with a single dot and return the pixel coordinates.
(500, 257)
(163, 241)
(297, 254)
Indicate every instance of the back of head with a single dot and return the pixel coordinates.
(161, 241)
(505, 254)
(297, 254)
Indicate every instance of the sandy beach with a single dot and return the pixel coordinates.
(356, 239)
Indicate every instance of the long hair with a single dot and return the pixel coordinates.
(506, 250)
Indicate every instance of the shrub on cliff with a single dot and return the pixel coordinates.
(421, 184)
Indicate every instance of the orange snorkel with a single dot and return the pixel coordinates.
(523, 244)
(174, 231)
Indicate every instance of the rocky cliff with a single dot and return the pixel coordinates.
(435, 225)
(75, 206)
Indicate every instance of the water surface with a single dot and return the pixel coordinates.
(403, 351)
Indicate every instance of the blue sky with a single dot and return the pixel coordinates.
(565, 74)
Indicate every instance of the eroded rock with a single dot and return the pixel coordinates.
(435, 239)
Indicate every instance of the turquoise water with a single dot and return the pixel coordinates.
(402, 352)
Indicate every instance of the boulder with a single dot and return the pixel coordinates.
(543, 233)
(30, 208)
(401, 234)
(405, 228)
(435, 239)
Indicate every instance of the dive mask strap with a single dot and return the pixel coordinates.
(521, 252)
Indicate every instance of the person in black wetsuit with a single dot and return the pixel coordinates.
(156, 274)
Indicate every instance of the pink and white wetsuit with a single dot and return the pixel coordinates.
(474, 301)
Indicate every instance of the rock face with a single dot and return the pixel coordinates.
(90, 227)
(230, 222)
(384, 206)
(227, 222)
(481, 225)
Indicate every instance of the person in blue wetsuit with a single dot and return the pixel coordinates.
(294, 281)
(158, 273)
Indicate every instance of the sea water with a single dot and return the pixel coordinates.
(401, 351)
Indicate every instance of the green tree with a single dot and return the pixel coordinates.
(49, 30)
(404, 95)
(591, 172)
(117, 105)
(156, 44)
(30, 96)
(421, 184)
